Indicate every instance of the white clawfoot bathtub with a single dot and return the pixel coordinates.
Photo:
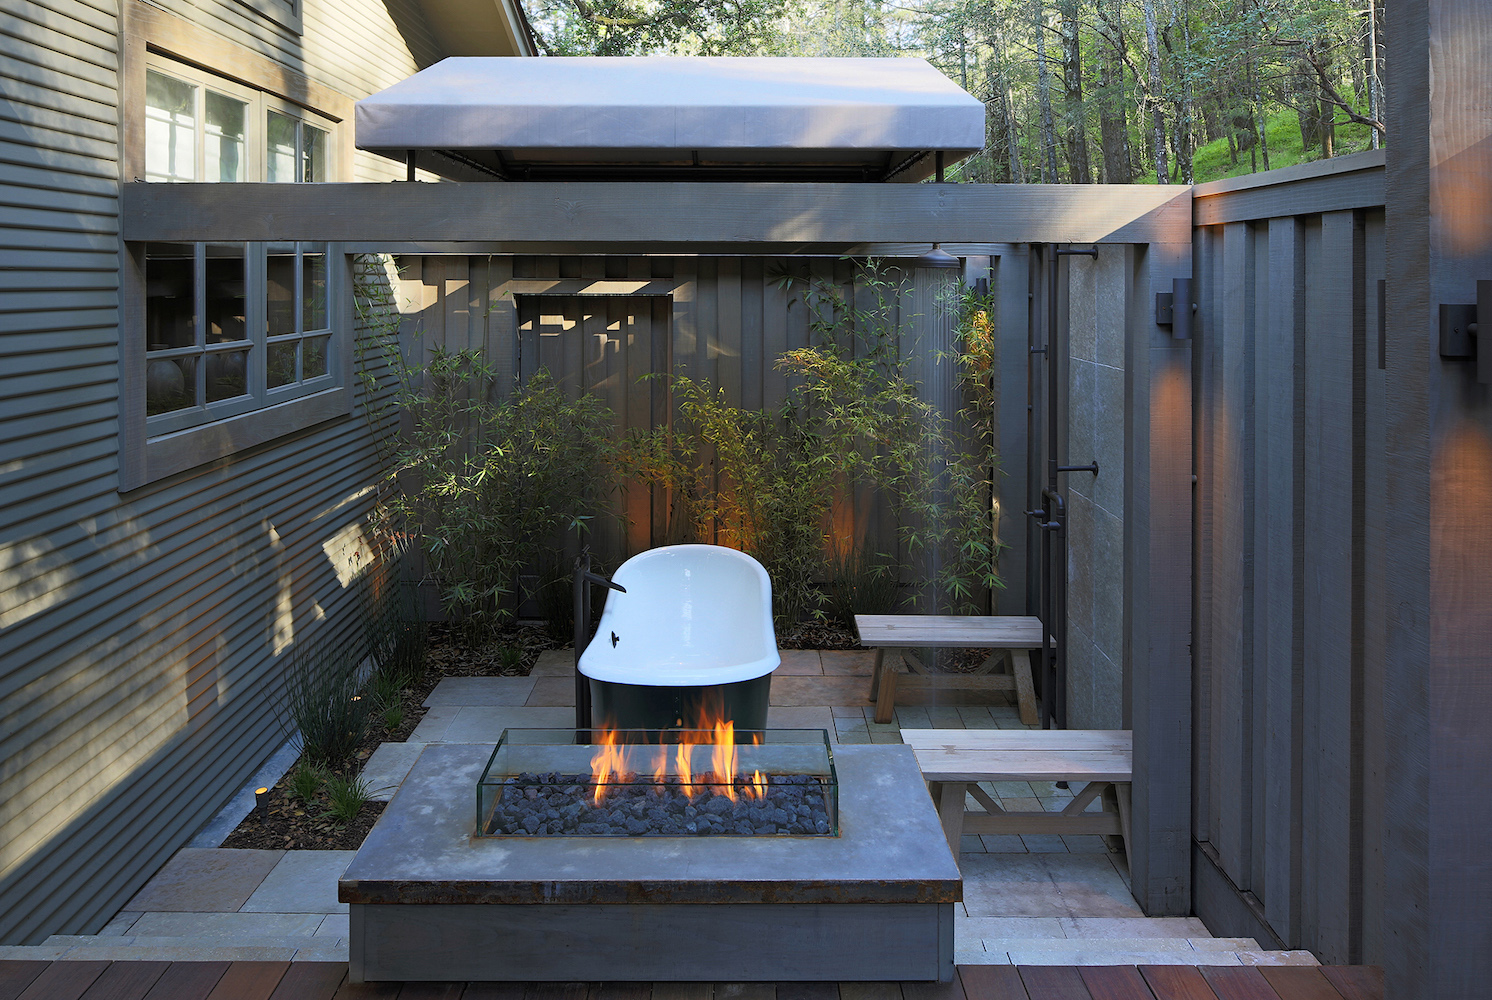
(692, 632)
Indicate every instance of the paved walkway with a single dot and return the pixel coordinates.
(1034, 900)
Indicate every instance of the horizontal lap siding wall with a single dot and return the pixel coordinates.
(1289, 541)
(142, 636)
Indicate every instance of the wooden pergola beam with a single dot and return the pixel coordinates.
(658, 217)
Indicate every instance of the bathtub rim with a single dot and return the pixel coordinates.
(682, 673)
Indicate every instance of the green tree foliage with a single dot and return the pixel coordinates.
(1076, 90)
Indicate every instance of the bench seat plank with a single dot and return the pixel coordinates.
(1025, 765)
(950, 631)
(1019, 739)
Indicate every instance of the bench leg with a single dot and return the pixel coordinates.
(875, 673)
(950, 798)
(1025, 692)
(1122, 789)
(886, 692)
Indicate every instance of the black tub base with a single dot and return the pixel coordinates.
(646, 706)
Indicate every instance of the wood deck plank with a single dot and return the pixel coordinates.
(310, 981)
(870, 991)
(738, 991)
(1238, 982)
(680, 991)
(1115, 982)
(992, 982)
(1299, 982)
(64, 981)
(432, 991)
(16, 976)
(188, 981)
(250, 981)
(1356, 982)
(951, 990)
(807, 991)
(367, 991)
(514, 991)
(126, 981)
(1054, 982)
(1176, 982)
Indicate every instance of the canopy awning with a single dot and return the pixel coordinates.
(661, 117)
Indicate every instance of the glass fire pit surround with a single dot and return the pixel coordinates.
(651, 783)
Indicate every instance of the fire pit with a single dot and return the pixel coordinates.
(651, 783)
(871, 899)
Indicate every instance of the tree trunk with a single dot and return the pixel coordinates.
(1075, 117)
(1001, 83)
(1153, 95)
(1370, 42)
(1184, 145)
(1049, 173)
(1113, 129)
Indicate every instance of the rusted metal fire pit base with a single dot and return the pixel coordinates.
(429, 901)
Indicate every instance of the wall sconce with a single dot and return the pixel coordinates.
(1175, 308)
(936, 258)
(1459, 334)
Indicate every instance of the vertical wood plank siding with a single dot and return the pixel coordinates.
(1289, 617)
(142, 636)
(725, 318)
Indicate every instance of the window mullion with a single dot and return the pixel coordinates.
(254, 309)
(199, 319)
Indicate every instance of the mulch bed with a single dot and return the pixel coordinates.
(293, 825)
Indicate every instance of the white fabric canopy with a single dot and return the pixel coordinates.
(882, 115)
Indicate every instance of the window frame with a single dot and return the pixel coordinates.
(256, 131)
(152, 37)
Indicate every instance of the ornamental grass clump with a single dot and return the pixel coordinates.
(324, 702)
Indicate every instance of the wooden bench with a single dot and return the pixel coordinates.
(1010, 637)
(1098, 763)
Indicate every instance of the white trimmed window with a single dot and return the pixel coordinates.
(201, 127)
(233, 328)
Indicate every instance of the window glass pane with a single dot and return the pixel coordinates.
(313, 288)
(170, 384)
(315, 356)
(314, 141)
(280, 158)
(227, 375)
(170, 297)
(279, 288)
(170, 128)
(226, 319)
(281, 363)
(224, 144)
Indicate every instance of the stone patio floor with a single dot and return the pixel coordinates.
(1030, 901)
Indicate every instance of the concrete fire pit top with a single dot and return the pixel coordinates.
(891, 849)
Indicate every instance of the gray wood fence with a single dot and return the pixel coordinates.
(1288, 613)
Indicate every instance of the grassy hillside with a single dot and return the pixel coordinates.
(1282, 132)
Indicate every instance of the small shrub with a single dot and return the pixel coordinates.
(306, 780)
(324, 702)
(346, 797)
(393, 717)
(861, 583)
(509, 658)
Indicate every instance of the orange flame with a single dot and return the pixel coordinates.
(607, 763)
(723, 759)
(682, 765)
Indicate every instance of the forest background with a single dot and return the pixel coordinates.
(1077, 91)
